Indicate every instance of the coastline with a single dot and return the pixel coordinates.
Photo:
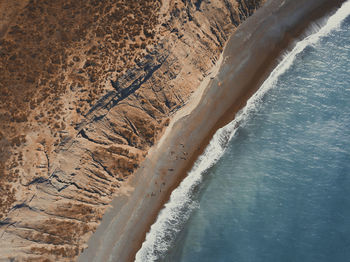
(124, 227)
(80, 118)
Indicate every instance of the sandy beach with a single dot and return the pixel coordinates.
(248, 58)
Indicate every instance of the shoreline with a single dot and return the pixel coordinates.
(123, 228)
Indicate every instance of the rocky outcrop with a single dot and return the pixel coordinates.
(87, 88)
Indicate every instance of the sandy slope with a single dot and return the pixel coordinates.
(86, 89)
(250, 55)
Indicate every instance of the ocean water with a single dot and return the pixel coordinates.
(274, 184)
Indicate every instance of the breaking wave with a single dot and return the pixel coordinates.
(172, 217)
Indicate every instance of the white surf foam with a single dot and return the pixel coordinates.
(172, 217)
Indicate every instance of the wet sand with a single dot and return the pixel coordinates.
(249, 56)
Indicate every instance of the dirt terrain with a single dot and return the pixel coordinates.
(86, 88)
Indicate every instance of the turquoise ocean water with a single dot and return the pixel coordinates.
(277, 188)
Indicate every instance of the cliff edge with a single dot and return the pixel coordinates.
(86, 89)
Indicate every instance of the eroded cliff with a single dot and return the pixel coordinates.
(86, 89)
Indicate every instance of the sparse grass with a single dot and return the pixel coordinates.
(41, 42)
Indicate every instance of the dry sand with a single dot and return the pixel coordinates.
(249, 56)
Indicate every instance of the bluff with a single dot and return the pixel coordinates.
(86, 89)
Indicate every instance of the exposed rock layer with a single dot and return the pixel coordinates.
(86, 89)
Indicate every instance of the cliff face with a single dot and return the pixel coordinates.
(87, 88)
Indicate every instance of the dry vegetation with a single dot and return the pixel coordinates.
(55, 46)
(69, 138)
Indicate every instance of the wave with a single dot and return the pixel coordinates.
(172, 217)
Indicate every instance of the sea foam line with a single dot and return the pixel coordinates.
(178, 209)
